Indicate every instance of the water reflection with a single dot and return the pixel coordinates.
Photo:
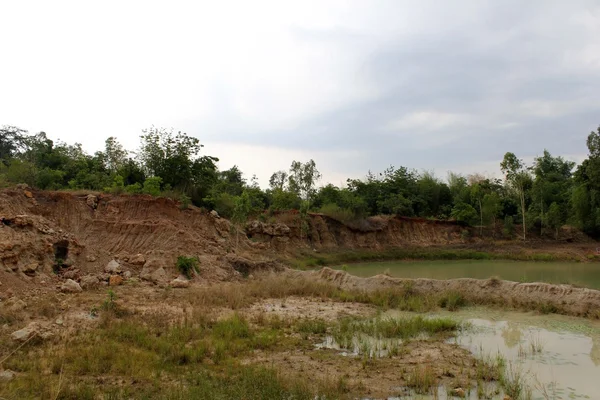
(595, 352)
(512, 335)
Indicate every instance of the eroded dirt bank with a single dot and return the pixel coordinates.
(544, 297)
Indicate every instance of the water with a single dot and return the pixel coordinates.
(564, 361)
(582, 274)
(558, 356)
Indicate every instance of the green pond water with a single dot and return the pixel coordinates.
(582, 274)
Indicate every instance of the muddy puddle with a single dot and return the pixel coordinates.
(558, 357)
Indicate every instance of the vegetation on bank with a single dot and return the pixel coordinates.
(541, 197)
(303, 260)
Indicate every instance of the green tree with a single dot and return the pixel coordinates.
(303, 178)
(517, 177)
(241, 211)
(555, 218)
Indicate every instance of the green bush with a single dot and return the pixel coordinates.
(152, 185)
(186, 265)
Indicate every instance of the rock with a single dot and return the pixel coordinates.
(71, 274)
(180, 282)
(15, 304)
(22, 186)
(70, 286)
(104, 276)
(115, 280)
(459, 392)
(126, 274)
(91, 258)
(59, 321)
(68, 263)
(112, 267)
(215, 214)
(89, 282)
(23, 334)
(28, 194)
(92, 201)
(159, 275)
(138, 259)
(30, 269)
(6, 375)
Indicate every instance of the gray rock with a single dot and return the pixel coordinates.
(112, 267)
(70, 286)
(6, 375)
(126, 274)
(180, 282)
(157, 275)
(215, 214)
(89, 282)
(23, 334)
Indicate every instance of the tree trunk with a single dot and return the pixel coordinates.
(480, 219)
(523, 213)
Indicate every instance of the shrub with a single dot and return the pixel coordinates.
(152, 185)
(186, 265)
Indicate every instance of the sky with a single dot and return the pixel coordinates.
(354, 85)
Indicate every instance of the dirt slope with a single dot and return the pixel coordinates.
(86, 232)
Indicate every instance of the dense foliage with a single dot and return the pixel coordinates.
(541, 197)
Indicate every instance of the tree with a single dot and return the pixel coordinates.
(303, 178)
(516, 176)
(278, 180)
(115, 154)
(12, 139)
(555, 218)
(241, 211)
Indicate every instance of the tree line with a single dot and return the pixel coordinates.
(540, 197)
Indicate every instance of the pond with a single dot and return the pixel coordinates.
(581, 274)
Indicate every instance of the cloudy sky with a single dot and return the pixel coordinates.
(355, 85)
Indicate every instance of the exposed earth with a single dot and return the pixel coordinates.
(61, 252)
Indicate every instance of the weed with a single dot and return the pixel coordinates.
(422, 379)
(188, 265)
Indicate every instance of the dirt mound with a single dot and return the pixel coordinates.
(564, 299)
(41, 231)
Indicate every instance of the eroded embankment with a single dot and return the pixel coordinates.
(564, 299)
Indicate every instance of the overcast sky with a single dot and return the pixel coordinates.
(355, 85)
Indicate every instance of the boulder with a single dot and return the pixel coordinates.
(71, 274)
(91, 258)
(89, 282)
(70, 286)
(159, 275)
(28, 194)
(115, 280)
(138, 259)
(215, 214)
(92, 201)
(104, 276)
(459, 392)
(15, 304)
(30, 268)
(180, 282)
(6, 375)
(112, 267)
(24, 334)
(126, 274)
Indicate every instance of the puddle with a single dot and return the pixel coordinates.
(559, 363)
(362, 345)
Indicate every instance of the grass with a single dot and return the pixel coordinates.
(422, 380)
(308, 260)
(159, 359)
(401, 328)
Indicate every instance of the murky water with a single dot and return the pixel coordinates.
(583, 274)
(558, 356)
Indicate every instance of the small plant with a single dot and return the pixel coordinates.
(184, 201)
(187, 265)
(109, 303)
(452, 301)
